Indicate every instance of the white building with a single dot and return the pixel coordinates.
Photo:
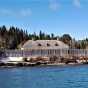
(38, 48)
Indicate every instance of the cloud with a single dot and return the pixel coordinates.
(53, 5)
(77, 3)
(16, 13)
(25, 12)
(6, 12)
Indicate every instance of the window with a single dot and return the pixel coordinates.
(39, 44)
(48, 44)
(56, 44)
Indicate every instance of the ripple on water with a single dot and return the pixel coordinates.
(45, 77)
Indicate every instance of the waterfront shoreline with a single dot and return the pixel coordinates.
(9, 65)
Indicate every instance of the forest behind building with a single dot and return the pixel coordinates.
(11, 38)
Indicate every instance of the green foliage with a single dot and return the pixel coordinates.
(66, 38)
(12, 37)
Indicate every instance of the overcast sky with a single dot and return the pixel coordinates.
(50, 16)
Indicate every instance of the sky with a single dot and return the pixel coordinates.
(51, 16)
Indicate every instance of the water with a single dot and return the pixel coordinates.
(45, 77)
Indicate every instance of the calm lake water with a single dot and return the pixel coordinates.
(45, 77)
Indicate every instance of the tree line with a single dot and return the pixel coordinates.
(11, 38)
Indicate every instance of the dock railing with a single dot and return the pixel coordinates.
(45, 52)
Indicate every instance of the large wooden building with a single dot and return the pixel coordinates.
(45, 48)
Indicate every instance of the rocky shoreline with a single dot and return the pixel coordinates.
(42, 61)
(26, 64)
